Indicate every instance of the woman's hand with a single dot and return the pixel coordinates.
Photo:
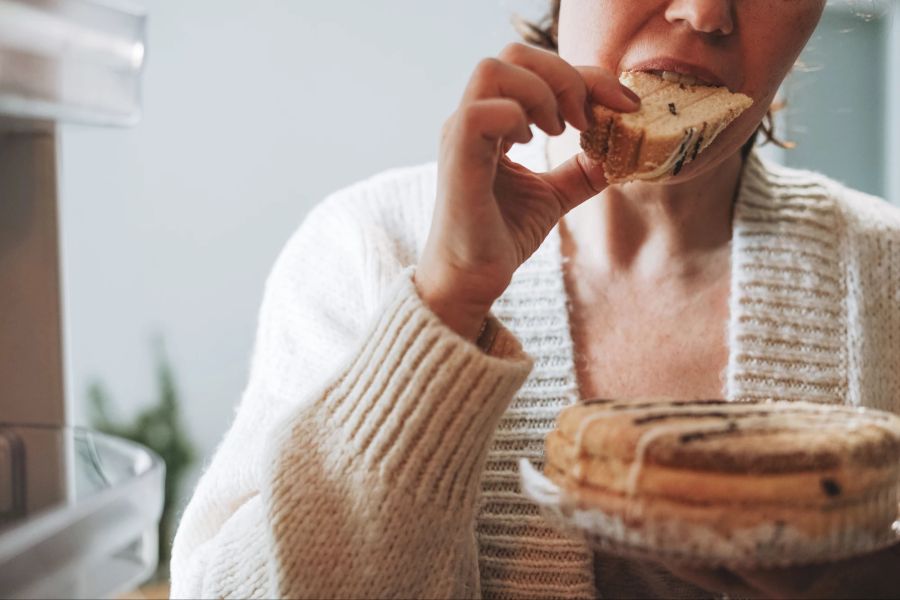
(491, 214)
(875, 575)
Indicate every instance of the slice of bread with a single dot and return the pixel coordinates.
(675, 124)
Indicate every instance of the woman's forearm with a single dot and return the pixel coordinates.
(370, 484)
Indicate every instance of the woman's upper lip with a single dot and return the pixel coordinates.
(665, 63)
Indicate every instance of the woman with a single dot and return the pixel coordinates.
(401, 371)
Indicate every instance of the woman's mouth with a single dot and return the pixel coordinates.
(681, 78)
(679, 71)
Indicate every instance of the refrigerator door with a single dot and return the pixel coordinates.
(71, 60)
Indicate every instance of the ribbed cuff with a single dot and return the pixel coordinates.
(419, 404)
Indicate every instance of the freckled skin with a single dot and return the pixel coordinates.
(751, 44)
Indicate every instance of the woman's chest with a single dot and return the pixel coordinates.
(664, 347)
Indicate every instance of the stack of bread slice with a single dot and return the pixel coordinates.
(769, 482)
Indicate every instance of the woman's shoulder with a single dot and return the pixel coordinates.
(865, 214)
(862, 214)
(356, 240)
(395, 201)
(390, 210)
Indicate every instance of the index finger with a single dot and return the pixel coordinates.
(573, 87)
(605, 88)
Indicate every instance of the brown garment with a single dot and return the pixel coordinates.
(617, 577)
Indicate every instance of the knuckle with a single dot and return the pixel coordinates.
(469, 117)
(518, 112)
(575, 86)
(514, 52)
(510, 110)
(549, 100)
(487, 69)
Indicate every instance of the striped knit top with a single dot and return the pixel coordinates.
(374, 452)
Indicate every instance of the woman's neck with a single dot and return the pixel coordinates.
(651, 231)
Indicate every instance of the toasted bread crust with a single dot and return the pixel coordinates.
(595, 141)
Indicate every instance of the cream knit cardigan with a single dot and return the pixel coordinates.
(374, 451)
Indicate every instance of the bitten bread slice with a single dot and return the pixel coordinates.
(675, 124)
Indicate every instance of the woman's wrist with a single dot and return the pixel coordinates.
(464, 318)
(467, 323)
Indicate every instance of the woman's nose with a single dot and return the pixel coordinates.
(706, 16)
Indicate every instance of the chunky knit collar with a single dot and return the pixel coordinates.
(788, 323)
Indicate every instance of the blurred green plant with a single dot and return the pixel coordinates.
(158, 427)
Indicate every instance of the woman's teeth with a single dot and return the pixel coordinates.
(679, 78)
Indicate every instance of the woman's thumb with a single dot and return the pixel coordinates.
(576, 180)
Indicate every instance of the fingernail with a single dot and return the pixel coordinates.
(630, 94)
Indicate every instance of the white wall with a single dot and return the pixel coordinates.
(253, 112)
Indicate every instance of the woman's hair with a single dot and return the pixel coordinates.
(544, 34)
